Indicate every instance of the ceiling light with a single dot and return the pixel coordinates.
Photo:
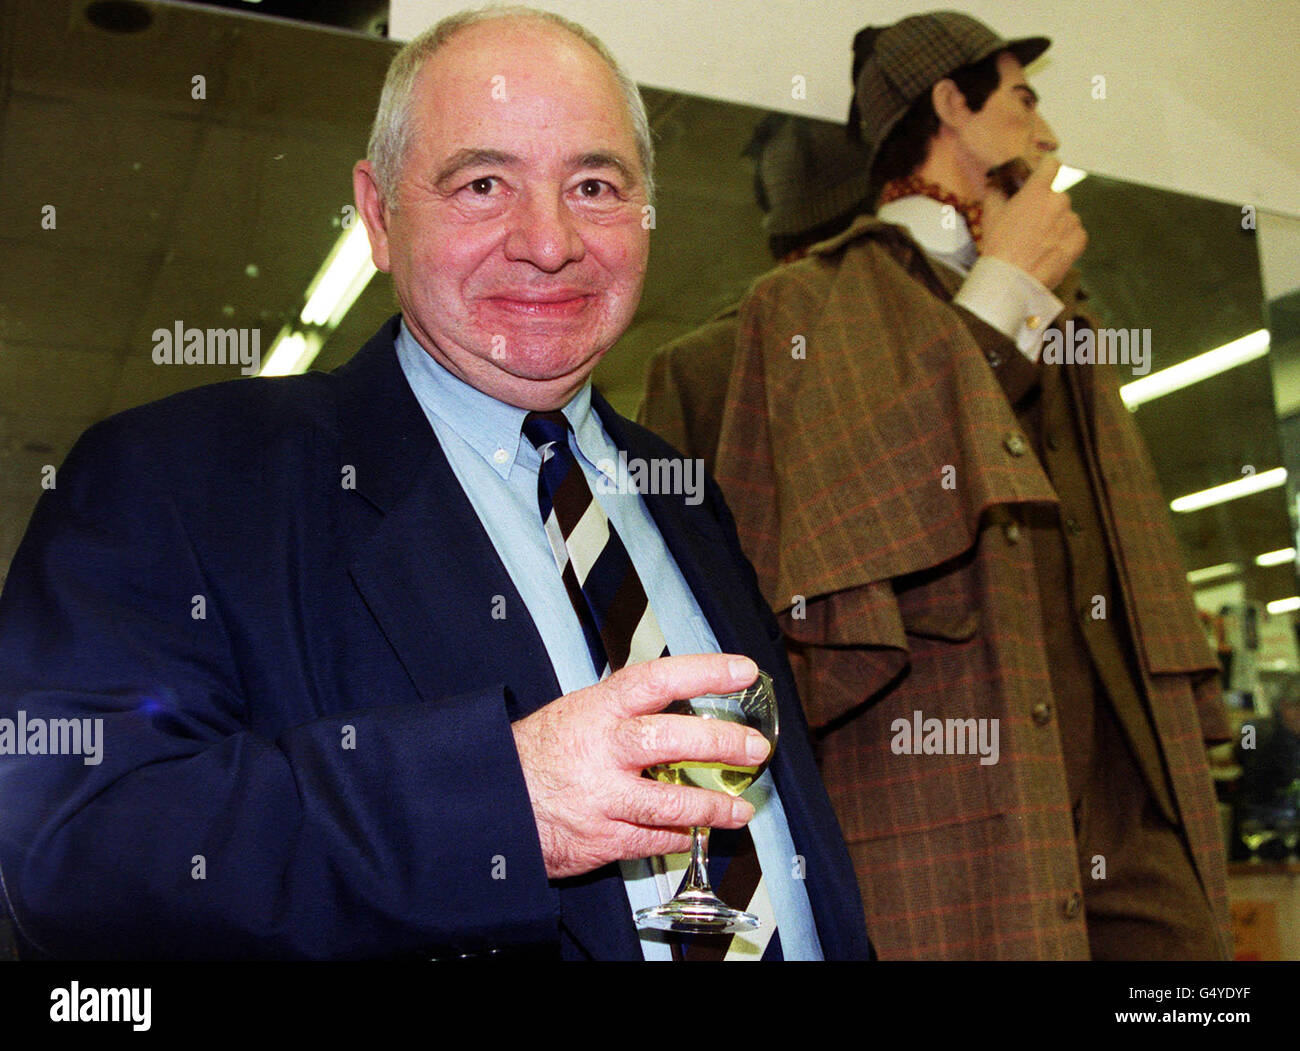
(1276, 558)
(1202, 576)
(1284, 605)
(291, 353)
(1193, 370)
(1252, 483)
(345, 274)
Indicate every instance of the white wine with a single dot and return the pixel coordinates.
(718, 777)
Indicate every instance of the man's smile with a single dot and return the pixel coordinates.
(558, 303)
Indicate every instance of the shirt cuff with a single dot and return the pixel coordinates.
(1017, 305)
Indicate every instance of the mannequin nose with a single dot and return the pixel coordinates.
(1044, 138)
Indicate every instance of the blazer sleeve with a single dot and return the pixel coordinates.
(201, 830)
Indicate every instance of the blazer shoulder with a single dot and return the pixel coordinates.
(254, 415)
(220, 430)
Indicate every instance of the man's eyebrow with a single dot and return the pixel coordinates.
(603, 159)
(1033, 95)
(462, 159)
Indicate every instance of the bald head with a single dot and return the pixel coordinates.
(393, 130)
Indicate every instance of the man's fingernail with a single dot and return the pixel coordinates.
(743, 670)
(740, 810)
(756, 747)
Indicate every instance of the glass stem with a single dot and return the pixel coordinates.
(697, 873)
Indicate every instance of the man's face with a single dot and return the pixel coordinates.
(1009, 124)
(516, 243)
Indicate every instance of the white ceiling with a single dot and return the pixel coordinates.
(1201, 97)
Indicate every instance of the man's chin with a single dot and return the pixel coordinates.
(549, 360)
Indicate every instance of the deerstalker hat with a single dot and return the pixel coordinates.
(895, 65)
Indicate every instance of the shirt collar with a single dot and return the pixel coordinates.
(490, 427)
(941, 231)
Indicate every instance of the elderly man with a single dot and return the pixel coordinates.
(349, 681)
(967, 544)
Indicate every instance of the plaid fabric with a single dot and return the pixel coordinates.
(895, 589)
(685, 386)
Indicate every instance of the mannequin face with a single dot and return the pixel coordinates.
(1007, 126)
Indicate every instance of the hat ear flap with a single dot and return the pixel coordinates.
(854, 128)
(864, 46)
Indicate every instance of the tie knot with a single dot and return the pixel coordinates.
(543, 428)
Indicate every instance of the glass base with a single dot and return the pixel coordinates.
(697, 912)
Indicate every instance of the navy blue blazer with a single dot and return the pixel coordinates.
(283, 607)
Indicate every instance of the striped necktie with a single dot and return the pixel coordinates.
(620, 629)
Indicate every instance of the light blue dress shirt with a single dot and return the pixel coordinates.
(497, 467)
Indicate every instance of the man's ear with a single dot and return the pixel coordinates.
(373, 210)
(950, 104)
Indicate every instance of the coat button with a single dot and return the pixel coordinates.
(1073, 905)
(1015, 444)
(1052, 443)
(1042, 713)
(1072, 525)
(1012, 532)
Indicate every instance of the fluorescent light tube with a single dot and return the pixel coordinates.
(1276, 558)
(1193, 370)
(1252, 483)
(1224, 569)
(346, 272)
(291, 353)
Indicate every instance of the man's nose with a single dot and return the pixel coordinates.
(543, 232)
(1044, 136)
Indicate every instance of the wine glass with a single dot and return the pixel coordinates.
(695, 908)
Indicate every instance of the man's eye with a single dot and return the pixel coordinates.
(593, 187)
(484, 186)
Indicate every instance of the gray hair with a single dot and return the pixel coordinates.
(390, 138)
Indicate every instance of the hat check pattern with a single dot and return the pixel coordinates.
(620, 629)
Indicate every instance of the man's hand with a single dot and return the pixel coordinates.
(1035, 230)
(583, 754)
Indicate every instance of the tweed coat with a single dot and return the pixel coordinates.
(686, 383)
(876, 472)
